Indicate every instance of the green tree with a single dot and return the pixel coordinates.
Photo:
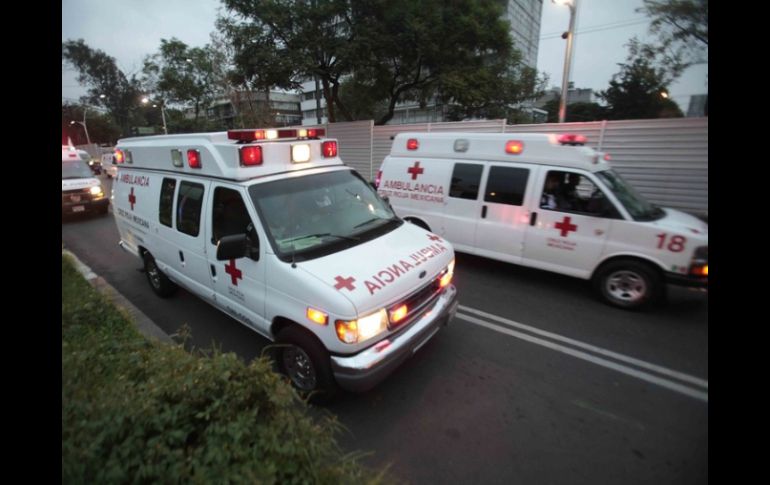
(458, 54)
(681, 28)
(575, 111)
(101, 127)
(637, 92)
(107, 85)
(283, 42)
(185, 75)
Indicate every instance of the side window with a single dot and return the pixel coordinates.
(166, 201)
(572, 192)
(506, 185)
(466, 178)
(188, 208)
(229, 215)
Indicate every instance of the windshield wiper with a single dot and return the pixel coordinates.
(325, 234)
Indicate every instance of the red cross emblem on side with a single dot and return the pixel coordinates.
(235, 273)
(566, 226)
(132, 198)
(416, 170)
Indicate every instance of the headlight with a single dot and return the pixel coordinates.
(364, 328)
(97, 191)
(446, 276)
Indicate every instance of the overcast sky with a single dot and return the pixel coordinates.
(128, 30)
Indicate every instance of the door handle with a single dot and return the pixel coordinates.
(213, 271)
(181, 256)
(532, 218)
(483, 212)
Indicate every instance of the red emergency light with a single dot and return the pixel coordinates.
(193, 158)
(119, 157)
(572, 139)
(274, 134)
(250, 156)
(514, 147)
(412, 144)
(329, 149)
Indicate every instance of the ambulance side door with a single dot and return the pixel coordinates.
(239, 284)
(186, 256)
(462, 205)
(504, 216)
(567, 233)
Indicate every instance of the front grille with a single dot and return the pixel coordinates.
(77, 195)
(417, 303)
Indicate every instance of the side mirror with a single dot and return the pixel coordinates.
(232, 247)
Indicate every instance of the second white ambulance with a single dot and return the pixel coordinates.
(273, 229)
(545, 201)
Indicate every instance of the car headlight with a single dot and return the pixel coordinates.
(97, 191)
(364, 328)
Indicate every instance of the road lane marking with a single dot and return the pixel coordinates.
(598, 350)
(674, 386)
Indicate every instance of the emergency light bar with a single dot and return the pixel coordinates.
(271, 134)
(572, 139)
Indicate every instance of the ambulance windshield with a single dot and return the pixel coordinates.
(314, 215)
(75, 169)
(636, 205)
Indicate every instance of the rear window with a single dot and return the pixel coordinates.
(466, 178)
(189, 203)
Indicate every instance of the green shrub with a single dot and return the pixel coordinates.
(138, 411)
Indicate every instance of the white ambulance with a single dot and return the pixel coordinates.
(545, 201)
(81, 191)
(273, 229)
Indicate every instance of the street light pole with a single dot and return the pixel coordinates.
(146, 100)
(567, 57)
(85, 128)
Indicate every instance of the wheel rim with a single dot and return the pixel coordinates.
(626, 286)
(153, 274)
(299, 368)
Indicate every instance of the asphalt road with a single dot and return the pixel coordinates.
(535, 381)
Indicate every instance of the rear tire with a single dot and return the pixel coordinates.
(159, 282)
(628, 284)
(306, 363)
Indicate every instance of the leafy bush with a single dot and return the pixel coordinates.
(139, 411)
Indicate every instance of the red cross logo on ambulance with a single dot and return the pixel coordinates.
(346, 283)
(132, 198)
(235, 273)
(566, 226)
(415, 170)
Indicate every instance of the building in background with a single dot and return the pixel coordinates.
(250, 107)
(574, 95)
(698, 105)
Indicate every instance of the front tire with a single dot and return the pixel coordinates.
(306, 363)
(159, 282)
(628, 284)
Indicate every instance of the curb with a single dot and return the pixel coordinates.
(142, 322)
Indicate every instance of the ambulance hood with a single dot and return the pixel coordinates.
(74, 184)
(382, 271)
(680, 221)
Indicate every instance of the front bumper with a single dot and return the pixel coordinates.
(97, 205)
(362, 371)
(687, 280)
